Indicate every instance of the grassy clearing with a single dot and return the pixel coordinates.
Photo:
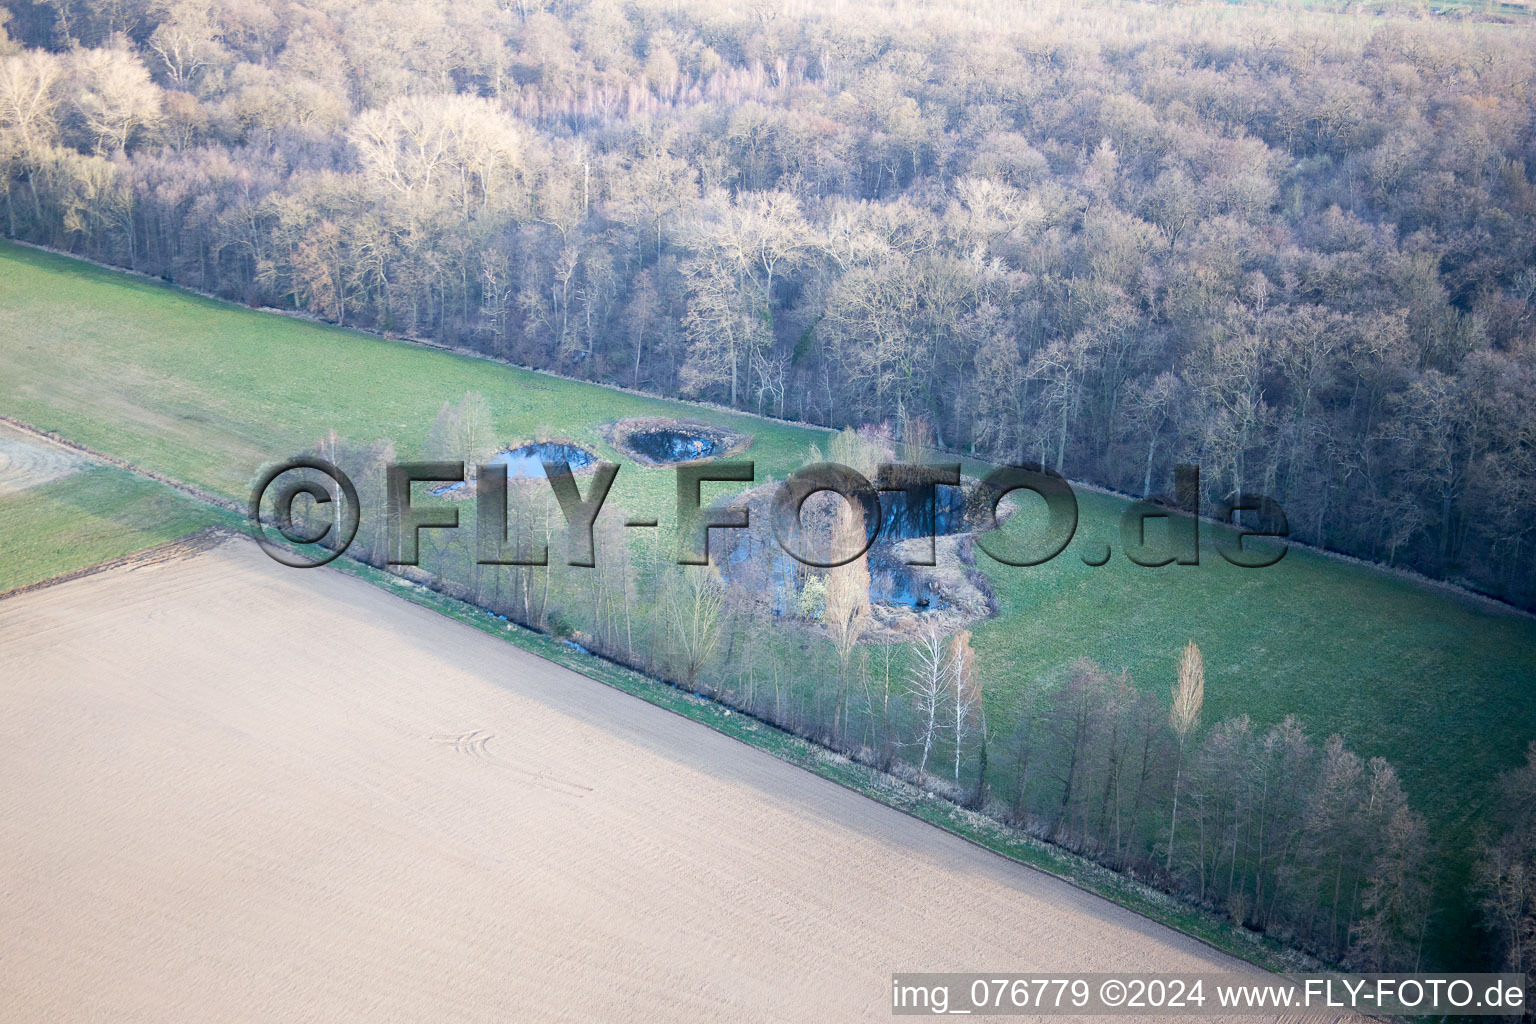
(206, 393)
(92, 516)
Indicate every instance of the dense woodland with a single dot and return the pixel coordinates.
(1296, 249)
(1293, 248)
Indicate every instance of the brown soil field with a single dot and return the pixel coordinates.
(239, 792)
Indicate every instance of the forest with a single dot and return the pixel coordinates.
(1292, 247)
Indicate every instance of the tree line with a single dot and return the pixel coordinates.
(1294, 248)
(1283, 833)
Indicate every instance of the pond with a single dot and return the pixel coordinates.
(526, 462)
(755, 558)
(891, 579)
(668, 446)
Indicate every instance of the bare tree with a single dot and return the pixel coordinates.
(1395, 903)
(694, 604)
(114, 97)
(723, 332)
(462, 149)
(463, 432)
(1184, 719)
(964, 692)
(927, 685)
(1505, 874)
(916, 436)
(845, 609)
(29, 98)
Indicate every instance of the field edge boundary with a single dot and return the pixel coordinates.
(204, 538)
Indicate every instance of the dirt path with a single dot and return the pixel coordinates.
(238, 792)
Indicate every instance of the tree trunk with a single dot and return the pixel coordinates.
(1173, 824)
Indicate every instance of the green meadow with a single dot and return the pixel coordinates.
(207, 393)
(92, 516)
